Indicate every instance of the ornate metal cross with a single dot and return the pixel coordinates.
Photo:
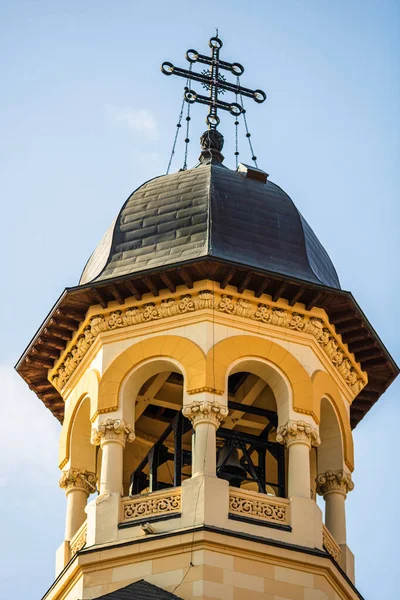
(214, 81)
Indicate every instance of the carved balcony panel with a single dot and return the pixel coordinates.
(253, 506)
(163, 503)
(330, 544)
(79, 539)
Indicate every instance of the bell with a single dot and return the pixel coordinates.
(230, 468)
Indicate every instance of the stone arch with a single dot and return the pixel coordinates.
(179, 350)
(325, 390)
(82, 451)
(88, 386)
(245, 347)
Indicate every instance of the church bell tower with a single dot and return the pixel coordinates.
(207, 372)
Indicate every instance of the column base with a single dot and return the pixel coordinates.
(306, 522)
(347, 562)
(63, 555)
(103, 518)
(205, 500)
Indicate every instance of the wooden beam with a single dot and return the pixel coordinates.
(247, 393)
(186, 277)
(151, 285)
(279, 292)
(228, 276)
(347, 328)
(315, 300)
(41, 387)
(341, 316)
(116, 292)
(354, 337)
(373, 362)
(245, 283)
(44, 351)
(133, 289)
(367, 354)
(166, 279)
(64, 323)
(296, 296)
(39, 362)
(100, 299)
(58, 333)
(50, 341)
(70, 314)
(50, 395)
(262, 287)
(354, 347)
(145, 399)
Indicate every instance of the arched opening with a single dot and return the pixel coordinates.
(160, 456)
(328, 456)
(248, 455)
(82, 451)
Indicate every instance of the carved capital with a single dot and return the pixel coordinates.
(78, 479)
(334, 481)
(297, 431)
(113, 429)
(205, 412)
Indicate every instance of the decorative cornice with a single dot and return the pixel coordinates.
(271, 314)
(205, 412)
(112, 429)
(334, 481)
(296, 432)
(78, 479)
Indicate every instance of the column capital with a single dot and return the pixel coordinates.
(298, 432)
(334, 481)
(211, 412)
(78, 479)
(112, 430)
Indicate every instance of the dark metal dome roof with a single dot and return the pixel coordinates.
(210, 211)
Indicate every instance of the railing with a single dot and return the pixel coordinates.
(147, 506)
(330, 543)
(79, 539)
(254, 506)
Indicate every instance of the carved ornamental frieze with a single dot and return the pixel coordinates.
(112, 430)
(270, 314)
(78, 479)
(211, 412)
(155, 504)
(298, 432)
(261, 507)
(334, 481)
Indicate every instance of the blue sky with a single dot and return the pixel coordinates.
(86, 117)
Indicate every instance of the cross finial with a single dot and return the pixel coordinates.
(214, 81)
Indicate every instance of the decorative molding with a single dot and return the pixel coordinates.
(205, 389)
(164, 502)
(79, 539)
(78, 479)
(251, 504)
(205, 412)
(270, 314)
(112, 429)
(297, 431)
(330, 544)
(334, 481)
(103, 411)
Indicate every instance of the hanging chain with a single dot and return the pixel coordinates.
(236, 137)
(178, 127)
(187, 139)
(248, 134)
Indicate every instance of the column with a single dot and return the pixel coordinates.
(78, 485)
(334, 487)
(112, 435)
(298, 437)
(206, 417)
